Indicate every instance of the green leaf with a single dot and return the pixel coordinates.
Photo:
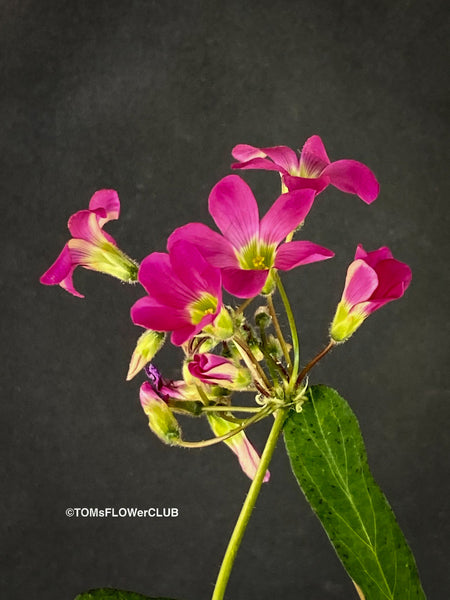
(329, 460)
(110, 594)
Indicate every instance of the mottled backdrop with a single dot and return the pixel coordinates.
(149, 98)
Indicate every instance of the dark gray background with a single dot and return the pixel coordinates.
(149, 98)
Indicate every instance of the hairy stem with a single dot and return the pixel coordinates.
(247, 508)
(315, 360)
(264, 412)
(279, 333)
(217, 408)
(251, 362)
(294, 334)
(244, 305)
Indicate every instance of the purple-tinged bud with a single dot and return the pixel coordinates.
(160, 418)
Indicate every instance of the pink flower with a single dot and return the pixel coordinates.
(90, 246)
(210, 368)
(218, 370)
(249, 248)
(373, 279)
(247, 456)
(313, 170)
(185, 292)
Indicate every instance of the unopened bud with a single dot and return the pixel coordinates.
(160, 418)
(262, 317)
(223, 325)
(217, 370)
(256, 350)
(274, 347)
(147, 346)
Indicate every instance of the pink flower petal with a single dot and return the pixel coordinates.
(301, 183)
(67, 284)
(313, 158)
(245, 152)
(59, 269)
(239, 444)
(287, 212)
(235, 211)
(106, 202)
(193, 270)
(84, 225)
(85, 254)
(294, 254)
(284, 157)
(374, 257)
(247, 456)
(244, 283)
(60, 273)
(394, 277)
(360, 283)
(147, 313)
(183, 334)
(159, 280)
(353, 177)
(265, 164)
(214, 247)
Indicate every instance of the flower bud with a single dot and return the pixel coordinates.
(274, 347)
(222, 328)
(373, 279)
(160, 418)
(262, 317)
(256, 350)
(217, 370)
(147, 346)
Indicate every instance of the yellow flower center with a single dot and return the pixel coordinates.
(259, 262)
(205, 305)
(257, 256)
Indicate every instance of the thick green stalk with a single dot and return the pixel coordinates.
(247, 508)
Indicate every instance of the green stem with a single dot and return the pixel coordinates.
(252, 363)
(278, 331)
(244, 305)
(294, 334)
(219, 407)
(264, 412)
(247, 508)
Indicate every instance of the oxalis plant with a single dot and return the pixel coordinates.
(242, 348)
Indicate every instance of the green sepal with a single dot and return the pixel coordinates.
(110, 594)
(329, 461)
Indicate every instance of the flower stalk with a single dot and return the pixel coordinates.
(247, 508)
(294, 334)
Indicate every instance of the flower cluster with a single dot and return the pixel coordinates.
(225, 351)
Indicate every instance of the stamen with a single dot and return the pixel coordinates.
(259, 262)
